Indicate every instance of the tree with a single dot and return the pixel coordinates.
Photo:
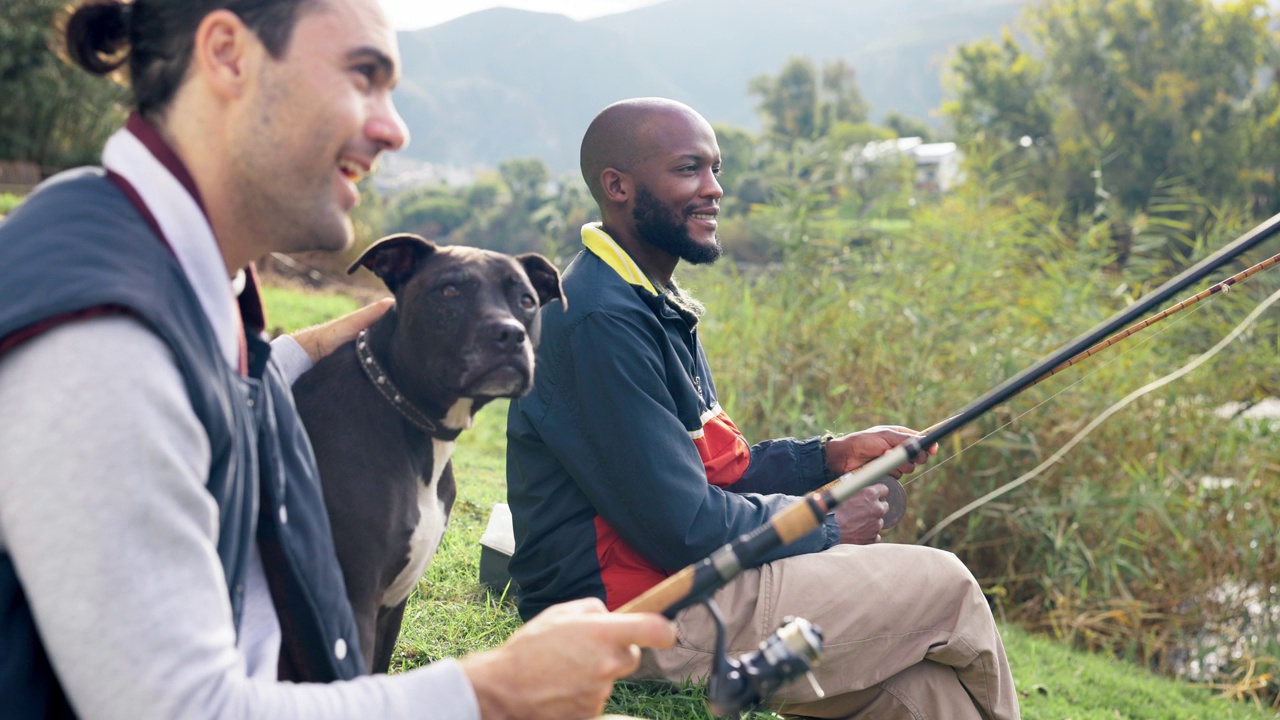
(1114, 100)
(799, 103)
(54, 115)
(434, 212)
(903, 126)
(562, 215)
(525, 178)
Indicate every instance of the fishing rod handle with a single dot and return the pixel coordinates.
(786, 527)
(664, 595)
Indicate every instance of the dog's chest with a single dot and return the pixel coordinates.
(432, 518)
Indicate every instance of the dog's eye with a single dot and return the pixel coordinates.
(450, 291)
(528, 303)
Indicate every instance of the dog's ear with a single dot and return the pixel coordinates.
(545, 278)
(394, 258)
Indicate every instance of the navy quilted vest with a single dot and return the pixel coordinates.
(76, 245)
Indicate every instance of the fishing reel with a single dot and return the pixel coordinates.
(737, 685)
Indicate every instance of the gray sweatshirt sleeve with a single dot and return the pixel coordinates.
(290, 357)
(104, 513)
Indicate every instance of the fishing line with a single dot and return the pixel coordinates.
(1093, 424)
(1163, 329)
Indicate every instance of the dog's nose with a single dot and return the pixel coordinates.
(508, 335)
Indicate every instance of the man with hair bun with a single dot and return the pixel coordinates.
(164, 550)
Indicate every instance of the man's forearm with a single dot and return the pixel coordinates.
(785, 465)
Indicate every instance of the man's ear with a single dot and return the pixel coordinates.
(395, 258)
(616, 185)
(223, 51)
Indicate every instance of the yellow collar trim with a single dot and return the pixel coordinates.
(607, 249)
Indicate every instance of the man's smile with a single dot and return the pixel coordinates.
(707, 216)
(352, 170)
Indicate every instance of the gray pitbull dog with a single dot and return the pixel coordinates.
(383, 412)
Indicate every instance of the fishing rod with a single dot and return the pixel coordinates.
(897, 497)
(1223, 286)
(696, 583)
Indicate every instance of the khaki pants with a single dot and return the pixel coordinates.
(907, 634)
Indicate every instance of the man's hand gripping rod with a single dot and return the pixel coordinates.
(698, 582)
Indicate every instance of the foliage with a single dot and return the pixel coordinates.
(9, 202)
(819, 161)
(518, 209)
(741, 175)
(54, 114)
(432, 212)
(802, 102)
(1111, 101)
(900, 125)
(524, 178)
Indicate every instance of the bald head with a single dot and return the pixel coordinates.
(629, 131)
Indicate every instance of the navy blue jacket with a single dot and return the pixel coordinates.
(78, 246)
(621, 465)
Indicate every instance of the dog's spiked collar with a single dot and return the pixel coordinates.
(382, 381)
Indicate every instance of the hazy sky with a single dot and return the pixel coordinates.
(416, 14)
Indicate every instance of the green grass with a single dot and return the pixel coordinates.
(1057, 683)
(289, 310)
(451, 614)
(9, 201)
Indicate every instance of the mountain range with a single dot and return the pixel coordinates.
(505, 83)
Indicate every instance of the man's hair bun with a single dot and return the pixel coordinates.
(97, 35)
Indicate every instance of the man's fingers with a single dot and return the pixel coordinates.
(352, 323)
(649, 630)
(614, 663)
(903, 429)
(348, 326)
(323, 339)
(367, 314)
(631, 662)
(581, 606)
(932, 450)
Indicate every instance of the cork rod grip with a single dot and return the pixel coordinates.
(663, 595)
(796, 521)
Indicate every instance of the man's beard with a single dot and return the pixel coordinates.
(663, 229)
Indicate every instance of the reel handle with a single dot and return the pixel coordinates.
(740, 684)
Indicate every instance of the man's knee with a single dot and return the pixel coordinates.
(948, 571)
(929, 690)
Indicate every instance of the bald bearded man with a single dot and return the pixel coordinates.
(623, 467)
